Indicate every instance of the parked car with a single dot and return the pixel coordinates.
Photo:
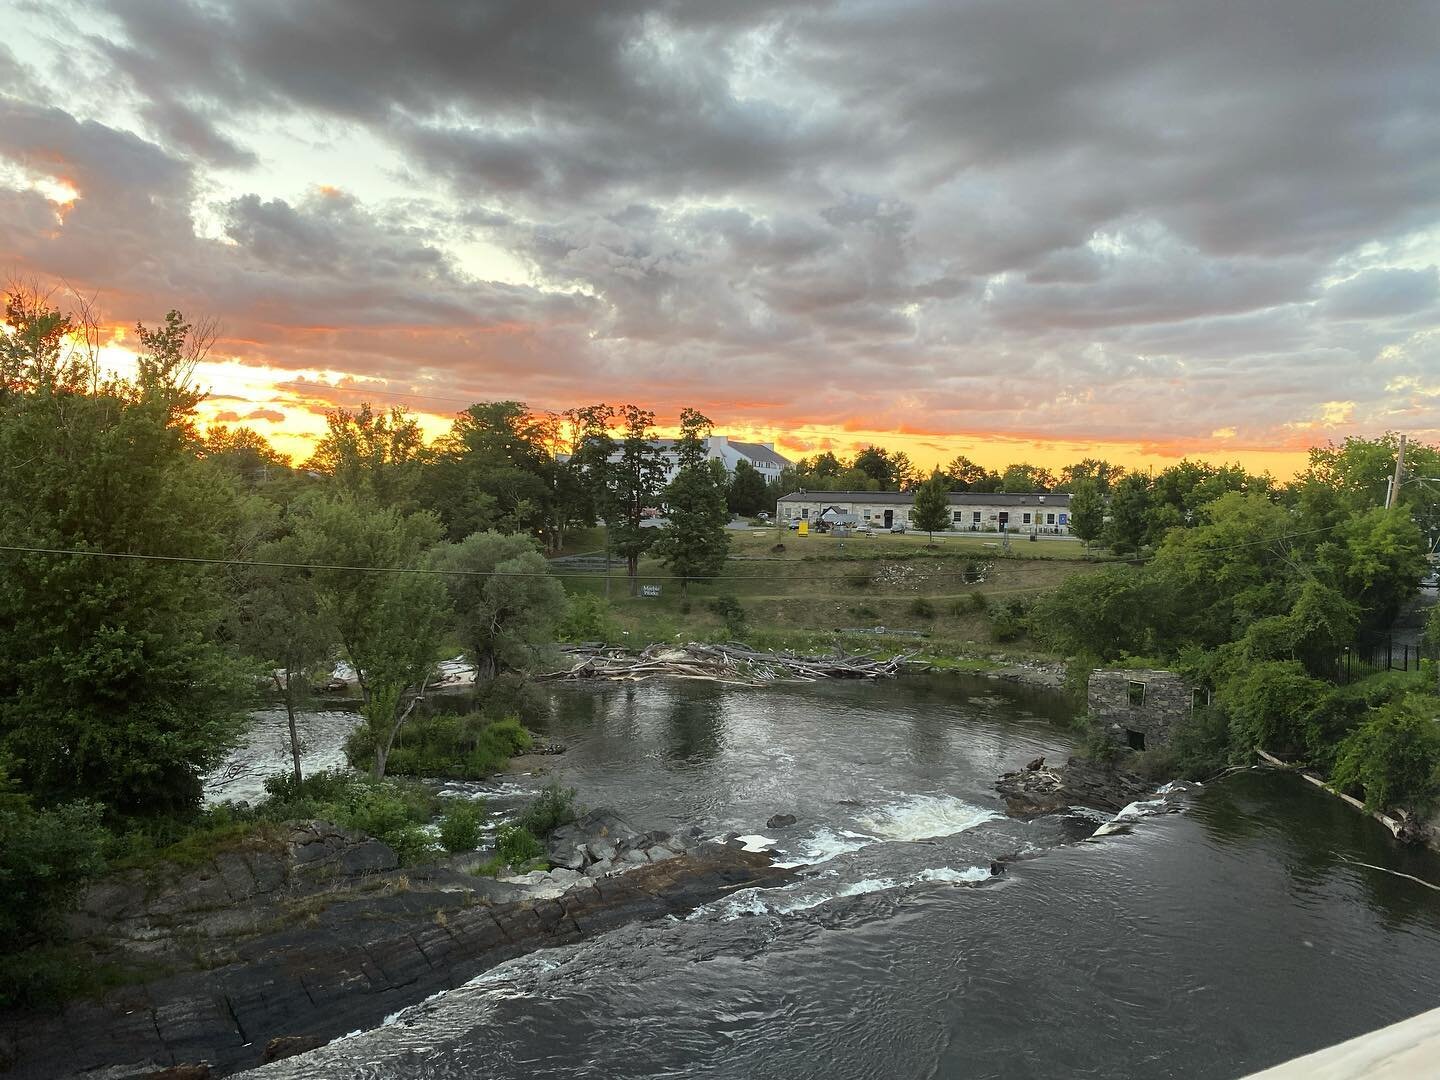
(794, 524)
(897, 528)
(763, 516)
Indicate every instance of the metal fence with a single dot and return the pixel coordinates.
(1383, 652)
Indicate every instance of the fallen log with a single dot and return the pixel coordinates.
(732, 662)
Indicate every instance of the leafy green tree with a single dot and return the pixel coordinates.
(876, 464)
(1087, 510)
(1378, 557)
(388, 619)
(932, 505)
(966, 475)
(1026, 478)
(1270, 706)
(1129, 507)
(634, 482)
(746, 494)
(112, 684)
(588, 462)
(903, 471)
(507, 606)
(376, 455)
(494, 470)
(1394, 756)
(1101, 472)
(282, 624)
(1106, 614)
(695, 543)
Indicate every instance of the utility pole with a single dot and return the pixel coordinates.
(1393, 492)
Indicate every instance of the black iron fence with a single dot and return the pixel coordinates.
(1383, 652)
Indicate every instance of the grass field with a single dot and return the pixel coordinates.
(812, 592)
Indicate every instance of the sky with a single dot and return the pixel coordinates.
(1030, 230)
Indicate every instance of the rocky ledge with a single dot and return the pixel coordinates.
(1043, 789)
(293, 939)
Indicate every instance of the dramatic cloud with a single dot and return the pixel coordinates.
(1169, 226)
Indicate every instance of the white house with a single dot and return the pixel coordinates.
(969, 511)
(723, 449)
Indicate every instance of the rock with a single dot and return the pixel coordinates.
(181, 1072)
(1035, 765)
(1079, 782)
(602, 850)
(289, 1045)
(635, 856)
(780, 821)
(659, 853)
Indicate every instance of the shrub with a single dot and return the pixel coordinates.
(1077, 677)
(389, 810)
(460, 826)
(517, 845)
(587, 619)
(864, 611)
(1200, 744)
(1008, 620)
(468, 747)
(1270, 705)
(1394, 757)
(973, 573)
(979, 602)
(553, 807)
(922, 608)
(729, 609)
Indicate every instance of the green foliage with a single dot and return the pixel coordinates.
(587, 618)
(746, 494)
(932, 505)
(630, 485)
(516, 845)
(1104, 613)
(469, 747)
(390, 810)
(506, 604)
(1087, 510)
(1270, 705)
(1129, 509)
(695, 543)
(1025, 478)
(1200, 744)
(113, 683)
(729, 609)
(979, 602)
(1009, 619)
(375, 457)
(1394, 756)
(863, 611)
(553, 807)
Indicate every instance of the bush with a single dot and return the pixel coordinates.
(553, 807)
(979, 602)
(389, 810)
(1008, 620)
(1077, 677)
(922, 608)
(1394, 757)
(973, 573)
(1200, 744)
(460, 826)
(1270, 705)
(863, 611)
(729, 609)
(468, 747)
(517, 845)
(587, 619)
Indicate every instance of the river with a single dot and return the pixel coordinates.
(1210, 943)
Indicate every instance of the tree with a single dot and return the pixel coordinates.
(387, 618)
(588, 466)
(964, 474)
(746, 494)
(374, 454)
(505, 601)
(695, 543)
(281, 623)
(493, 470)
(932, 504)
(633, 484)
(1102, 472)
(1087, 510)
(1026, 478)
(903, 471)
(1394, 756)
(875, 463)
(113, 686)
(1128, 508)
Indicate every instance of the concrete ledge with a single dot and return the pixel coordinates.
(1401, 1051)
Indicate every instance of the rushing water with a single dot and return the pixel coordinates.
(1205, 944)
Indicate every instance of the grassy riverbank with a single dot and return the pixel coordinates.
(959, 600)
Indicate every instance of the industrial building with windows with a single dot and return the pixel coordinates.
(979, 512)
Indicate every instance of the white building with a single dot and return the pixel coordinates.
(969, 511)
(723, 449)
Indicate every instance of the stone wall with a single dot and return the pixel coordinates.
(1166, 701)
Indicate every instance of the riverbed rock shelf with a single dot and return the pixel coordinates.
(1043, 789)
(314, 932)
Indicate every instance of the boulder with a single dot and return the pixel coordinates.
(1041, 789)
(780, 821)
(289, 1045)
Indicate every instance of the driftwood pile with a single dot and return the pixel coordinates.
(731, 662)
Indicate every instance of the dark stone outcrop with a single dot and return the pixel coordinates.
(780, 821)
(601, 840)
(1042, 789)
(292, 940)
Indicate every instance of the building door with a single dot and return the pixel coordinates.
(889, 518)
(1004, 519)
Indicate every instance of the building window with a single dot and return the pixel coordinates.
(1049, 519)
(959, 516)
(974, 516)
(1135, 739)
(805, 513)
(1135, 691)
(1027, 519)
(1199, 699)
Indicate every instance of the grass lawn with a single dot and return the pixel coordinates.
(808, 593)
